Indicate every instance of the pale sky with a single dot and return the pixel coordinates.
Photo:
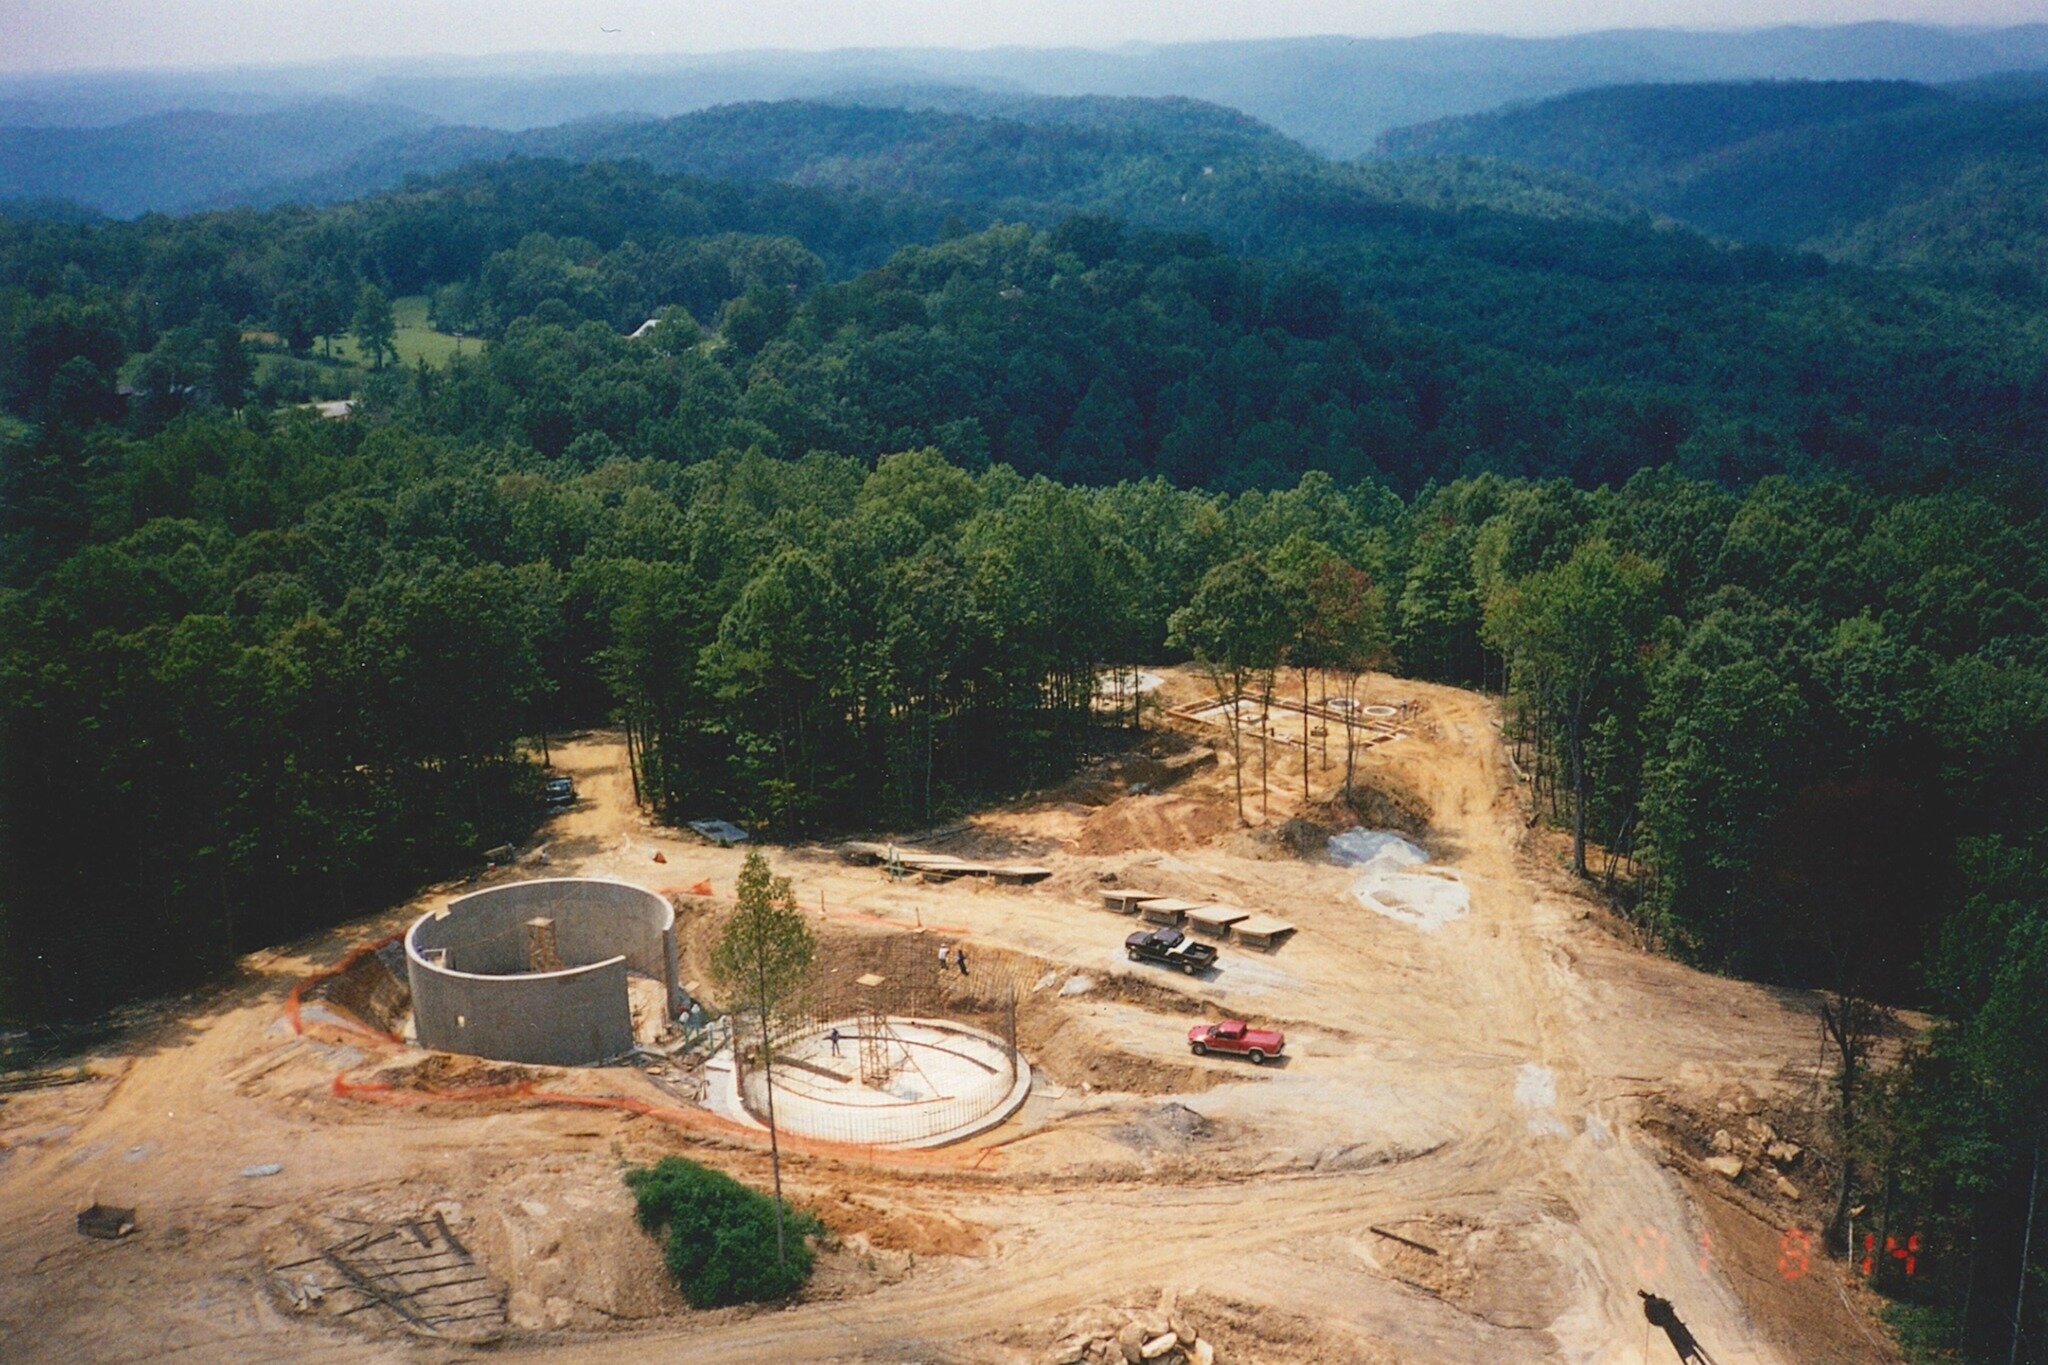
(59, 34)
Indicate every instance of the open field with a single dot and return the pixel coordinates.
(414, 339)
(344, 363)
(1485, 1139)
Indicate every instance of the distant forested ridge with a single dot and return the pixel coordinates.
(1752, 546)
(1888, 174)
(1891, 174)
(188, 159)
(1333, 93)
(1391, 338)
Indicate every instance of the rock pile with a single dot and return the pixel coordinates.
(1165, 1335)
(1755, 1145)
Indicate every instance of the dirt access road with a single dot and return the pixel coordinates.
(1492, 1088)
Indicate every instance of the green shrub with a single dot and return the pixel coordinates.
(1927, 1334)
(721, 1235)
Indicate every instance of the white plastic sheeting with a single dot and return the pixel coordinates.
(1396, 880)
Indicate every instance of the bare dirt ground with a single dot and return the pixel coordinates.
(1517, 1091)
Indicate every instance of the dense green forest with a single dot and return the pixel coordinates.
(1948, 181)
(1754, 548)
(1438, 341)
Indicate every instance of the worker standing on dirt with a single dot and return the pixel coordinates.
(833, 1038)
(960, 960)
(1661, 1314)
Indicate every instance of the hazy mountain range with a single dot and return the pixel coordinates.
(1335, 94)
(1885, 173)
(1882, 143)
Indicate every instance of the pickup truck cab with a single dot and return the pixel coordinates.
(1170, 948)
(1235, 1035)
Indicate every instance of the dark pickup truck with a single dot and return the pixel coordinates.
(1170, 948)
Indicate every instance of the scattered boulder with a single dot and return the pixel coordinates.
(1204, 1353)
(1131, 1342)
(1302, 838)
(1722, 1142)
(1787, 1189)
(1784, 1154)
(1158, 1346)
(106, 1222)
(1727, 1167)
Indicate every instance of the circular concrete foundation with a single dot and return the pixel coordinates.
(916, 1083)
(537, 971)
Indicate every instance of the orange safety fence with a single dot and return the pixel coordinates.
(346, 1025)
(697, 1120)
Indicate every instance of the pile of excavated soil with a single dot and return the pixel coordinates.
(1165, 821)
(1179, 1329)
(370, 992)
(1071, 1053)
(1377, 804)
(1066, 1047)
(451, 1071)
(1167, 1127)
(889, 1225)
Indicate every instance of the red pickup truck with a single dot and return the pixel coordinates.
(1235, 1035)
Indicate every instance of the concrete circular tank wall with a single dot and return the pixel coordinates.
(917, 1083)
(473, 989)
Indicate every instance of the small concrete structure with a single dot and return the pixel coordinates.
(947, 871)
(1165, 909)
(921, 862)
(1015, 875)
(1126, 902)
(1260, 931)
(1215, 920)
(475, 988)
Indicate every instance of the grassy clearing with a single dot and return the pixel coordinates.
(414, 339)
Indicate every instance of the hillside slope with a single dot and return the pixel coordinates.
(1883, 173)
(1532, 332)
(187, 159)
